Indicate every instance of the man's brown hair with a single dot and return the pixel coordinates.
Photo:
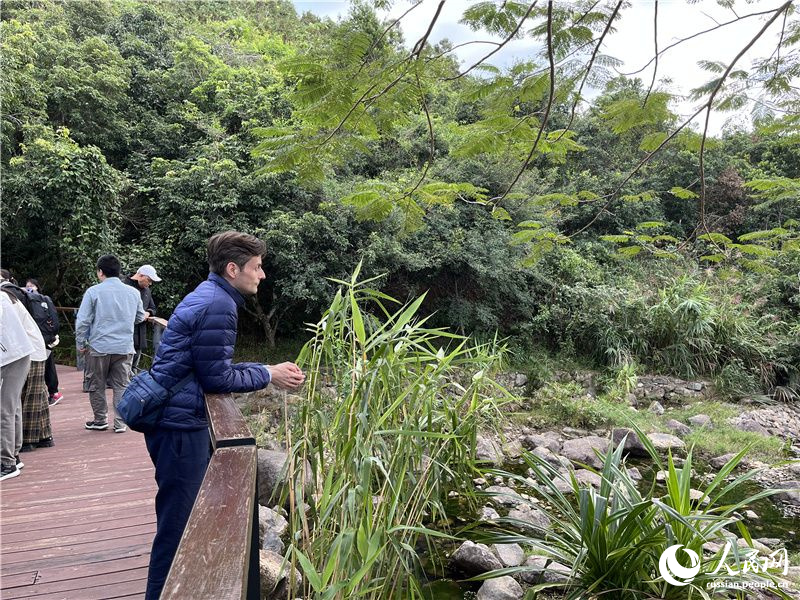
(233, 246)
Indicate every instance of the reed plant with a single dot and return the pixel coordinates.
(387, 428)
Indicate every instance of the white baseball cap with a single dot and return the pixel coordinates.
(148, 271)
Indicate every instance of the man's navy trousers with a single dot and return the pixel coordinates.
(181, 459)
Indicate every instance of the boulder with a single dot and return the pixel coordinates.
(582, 450)
(700, 421)
(474, 559)
(720, 461)
(549, 456)
(505, 496)
(633, 445)
(500, 588)
(272, 476)
(656, 408)
(511, 555)
(541, 569)
(488, 450)
(547, 440)
(665, 441)
(488, 514)
(271, 527)
(274, 584)
(530, 518)
(790, 492)
(678, 428)
(513, 449)
(587, 478)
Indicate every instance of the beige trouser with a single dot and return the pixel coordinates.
(12, 378)
(113, 370)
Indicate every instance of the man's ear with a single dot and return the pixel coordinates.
(231, 270)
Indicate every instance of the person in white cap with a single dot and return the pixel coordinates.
(144, 277)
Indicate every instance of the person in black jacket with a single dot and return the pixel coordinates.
(142, 280)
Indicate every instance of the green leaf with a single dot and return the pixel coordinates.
(715, 238)
(682, 193)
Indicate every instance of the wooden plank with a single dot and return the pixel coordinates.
(75, 585)
(78, 572)
(212, 561)
(228, 427)
(79, 521)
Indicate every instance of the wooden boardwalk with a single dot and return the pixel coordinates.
(78, 523)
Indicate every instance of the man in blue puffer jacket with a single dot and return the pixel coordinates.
(199, 342)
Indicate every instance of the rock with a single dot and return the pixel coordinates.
(513, 449)
(563, 484)
(678, 427)
(474, 559)
(720, 461)
(505, 496)
(586, 478)
(274, 584)
(543, 570)
(479, 481)
(530, 518)
(700, 421)
(633, 445)
(665, 441)
(520, 380)
(545, 441)
(574, 433)
(582, 450)
(750, 515)
(751, 425)
(656, 408)
(696, 495)
(511, 555)
(695, 386)
(487, 450)
(790, 492)
(271, 527)
(631, 399)
(272, 476)
(500, 588)
(634, 474)
(548, 456)
(661, 476)
(488, 514)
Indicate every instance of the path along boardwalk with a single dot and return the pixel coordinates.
(79, 521)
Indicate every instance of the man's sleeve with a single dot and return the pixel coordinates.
(84, 320)
(212, 355)
(151, 306)
(139, 310)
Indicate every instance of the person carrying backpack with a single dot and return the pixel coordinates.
(36, 429)
(46, 317)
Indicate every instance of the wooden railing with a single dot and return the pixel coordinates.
(217, 558)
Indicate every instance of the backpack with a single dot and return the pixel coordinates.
(44, 312)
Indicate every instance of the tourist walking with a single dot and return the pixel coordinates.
(104, 335)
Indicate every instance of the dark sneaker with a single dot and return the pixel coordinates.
(20, 464)
(46, 443)
(55, 398)
(27, 447)
(96, 425)
(122, 429)
(8, 472)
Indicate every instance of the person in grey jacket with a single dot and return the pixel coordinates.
(104, 334)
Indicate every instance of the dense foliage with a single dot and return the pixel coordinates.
(143, 127)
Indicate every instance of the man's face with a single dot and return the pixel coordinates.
(246, 279)
(145, 281)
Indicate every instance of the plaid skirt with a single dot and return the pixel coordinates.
(35, 408)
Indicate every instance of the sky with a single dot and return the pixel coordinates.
(632, 43)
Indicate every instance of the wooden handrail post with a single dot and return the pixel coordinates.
(218, 557)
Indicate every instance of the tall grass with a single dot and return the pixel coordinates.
(388, 427)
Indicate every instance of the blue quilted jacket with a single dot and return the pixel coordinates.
(199, 339)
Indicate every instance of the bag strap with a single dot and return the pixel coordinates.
(181, 384)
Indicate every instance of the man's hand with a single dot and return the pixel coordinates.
(83, 350)
(287, 375)
(146, 315)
